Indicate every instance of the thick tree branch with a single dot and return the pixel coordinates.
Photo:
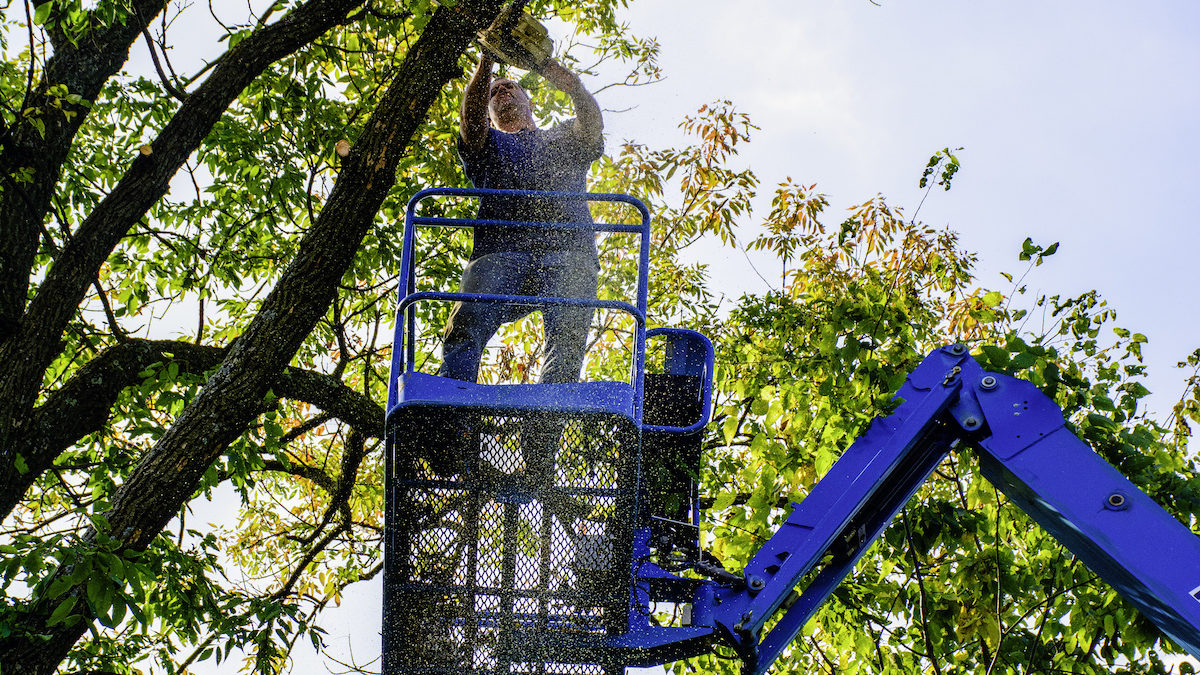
(83, 405)
(168, 475)
(233, 394)
(82, 69)
(36, 345)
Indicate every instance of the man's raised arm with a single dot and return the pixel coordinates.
(473, 118)
(588, 122)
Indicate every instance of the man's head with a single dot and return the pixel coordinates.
(509, 106)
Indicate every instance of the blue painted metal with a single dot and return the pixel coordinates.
(1023, 444)
(1024, 448)
(1118, 531)
(404, 344)
(689, 353)
(483, 484)
(844, 513)
(1026, 451)
(585, 397)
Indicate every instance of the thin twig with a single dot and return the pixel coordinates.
(912, 550)
(32, 51)
(117, 331)
(999, 587)
(174, 91)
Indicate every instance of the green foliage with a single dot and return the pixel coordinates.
(940, 169)
(306, 518)
(963, 582)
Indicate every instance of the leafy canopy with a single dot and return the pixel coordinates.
(140, 324)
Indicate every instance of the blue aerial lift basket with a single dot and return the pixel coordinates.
(511, 508)
(535, 528)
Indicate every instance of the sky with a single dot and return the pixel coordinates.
(1078, 123)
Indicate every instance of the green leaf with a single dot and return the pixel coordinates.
(723, 501)
(42, 13)
(996, 356)
(774, 412)
(1028, 249)
(137, 612)
(991, 630)
(1101, 422)
(99, 596)
(62, 612)
(1023, 360)
(119, 607)
(759, 406)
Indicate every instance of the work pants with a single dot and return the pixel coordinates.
(559, 274)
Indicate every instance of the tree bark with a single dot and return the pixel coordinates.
(84, 404)
(170, 473)
(35, 345)
(83, 69)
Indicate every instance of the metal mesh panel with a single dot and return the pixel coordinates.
(509, 539)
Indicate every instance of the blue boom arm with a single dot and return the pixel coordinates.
(1025, 450)
(642, 515)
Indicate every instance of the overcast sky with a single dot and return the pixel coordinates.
(1078, 122)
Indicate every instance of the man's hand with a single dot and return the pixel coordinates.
(561, 78)
(588, 123)
(486, 61)
(473, 116)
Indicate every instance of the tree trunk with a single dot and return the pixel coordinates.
(169, 474)
(83, 69)
(36, 344)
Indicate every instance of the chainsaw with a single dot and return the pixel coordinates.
(518, 39)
